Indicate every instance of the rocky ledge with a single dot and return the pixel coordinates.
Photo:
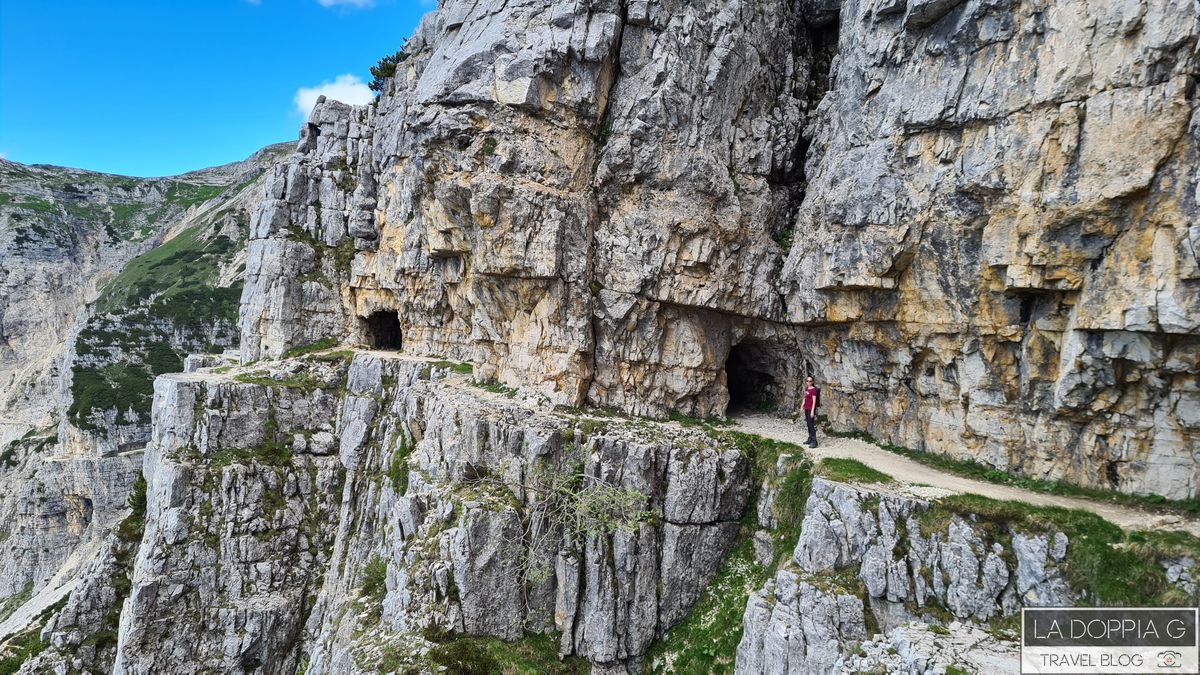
(332, 511)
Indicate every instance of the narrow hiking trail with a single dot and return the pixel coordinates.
(916, 475)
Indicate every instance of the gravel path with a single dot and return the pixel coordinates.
(914, 473)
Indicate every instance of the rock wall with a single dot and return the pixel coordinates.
(55, 250)
(1000, 227)
(240, 481)
(933, 209)
(933, 206)
(63, 234)
(287, 522)
(873, 563)
(81, 636)
(580, 202)
(178, 298)
(56, 504)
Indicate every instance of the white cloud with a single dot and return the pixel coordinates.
(361, 4)
(345, 88)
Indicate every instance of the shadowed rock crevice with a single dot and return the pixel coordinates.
(820, 47)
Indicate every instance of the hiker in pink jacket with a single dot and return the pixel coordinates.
(812, 401)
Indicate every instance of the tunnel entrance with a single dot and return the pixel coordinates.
(382, 330)
(748, 372)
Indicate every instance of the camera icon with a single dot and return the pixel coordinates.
(1170, 660)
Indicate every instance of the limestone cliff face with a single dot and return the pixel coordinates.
(356, 512)
(66, 238)
(935, 209)
(350, 513)
(260, 538)
(62, 232)
(576, 199)
(871, 562)
(999, 238)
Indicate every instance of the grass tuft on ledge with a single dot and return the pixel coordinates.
(850, 471)
(318, 346)
(455, 367)
(298, 381)
(535, 654)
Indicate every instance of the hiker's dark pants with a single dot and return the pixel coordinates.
(811, 420)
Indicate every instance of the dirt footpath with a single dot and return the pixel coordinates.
(914, 473)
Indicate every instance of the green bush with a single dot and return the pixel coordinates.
(460, 368)
(398, 471)
(121, 386)
(372, 587)
(385, 68)
(162, 358)
(130, 529)
(466, 657)
(496, 388)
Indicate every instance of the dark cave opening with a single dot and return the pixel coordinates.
(1112, 472)
(751, 383)
(382, 330)
(1026, 309)
(822, 31)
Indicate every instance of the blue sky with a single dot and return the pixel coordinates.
(160, 87)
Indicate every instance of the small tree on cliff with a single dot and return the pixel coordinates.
(566, 506)
(385, 69)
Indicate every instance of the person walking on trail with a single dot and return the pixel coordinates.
(812, 401)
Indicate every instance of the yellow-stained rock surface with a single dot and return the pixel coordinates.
(973, 222)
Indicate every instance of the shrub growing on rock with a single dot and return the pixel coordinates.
(385, 69)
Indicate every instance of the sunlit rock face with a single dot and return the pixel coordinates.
(269, 502)
(973, 222)
(1000, 234)
(583, 202)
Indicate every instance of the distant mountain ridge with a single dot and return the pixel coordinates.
(106, 281)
